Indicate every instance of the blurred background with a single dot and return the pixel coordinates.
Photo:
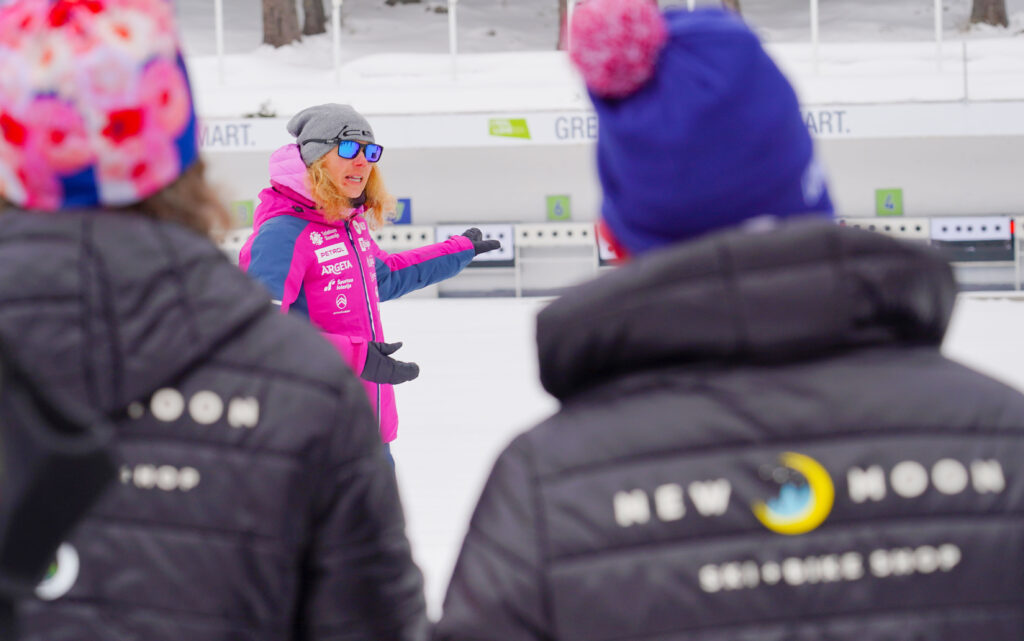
(917, 107)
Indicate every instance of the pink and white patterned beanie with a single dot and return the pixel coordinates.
(95, 105)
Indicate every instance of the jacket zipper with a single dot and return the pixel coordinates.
(366, 297)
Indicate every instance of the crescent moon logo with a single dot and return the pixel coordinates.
(61, 576)
(802, 504)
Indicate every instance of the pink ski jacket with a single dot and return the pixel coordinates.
(334, 273)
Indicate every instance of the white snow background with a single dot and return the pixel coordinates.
(478, 386)
(395, 59)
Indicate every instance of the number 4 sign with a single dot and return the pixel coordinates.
(889, 202)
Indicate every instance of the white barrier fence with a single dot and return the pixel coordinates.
(560, 254)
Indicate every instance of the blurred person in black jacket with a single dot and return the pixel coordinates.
(54, 463)
(253, 498)
(759, 438)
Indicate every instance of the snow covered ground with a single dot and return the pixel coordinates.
(479, 388)
(490, 26)
(395, 59)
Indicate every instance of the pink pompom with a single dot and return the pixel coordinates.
(615, 44)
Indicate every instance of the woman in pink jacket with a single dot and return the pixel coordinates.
(313, 249)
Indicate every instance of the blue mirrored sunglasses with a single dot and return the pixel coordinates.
(350, 149)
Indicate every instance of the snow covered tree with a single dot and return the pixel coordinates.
(315, 18)
(989, 12)
(280, 22)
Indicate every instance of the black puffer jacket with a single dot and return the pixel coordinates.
(254, 502)
(759, 440)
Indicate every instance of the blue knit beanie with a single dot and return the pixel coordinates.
(697, 128)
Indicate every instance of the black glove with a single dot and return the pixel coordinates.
(480, 245)
(381, 368)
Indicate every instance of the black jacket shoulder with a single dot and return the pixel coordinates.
(760, 439)
(253, 499)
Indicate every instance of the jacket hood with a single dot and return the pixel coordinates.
(111, 307)
(802, 290)
(289, 193)
(288, 173)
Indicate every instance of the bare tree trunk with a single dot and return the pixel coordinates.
(733, 5)
(562, 26)
(280, 22)
(315, 17)
(989, 12)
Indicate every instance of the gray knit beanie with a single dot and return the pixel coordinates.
(313, 126)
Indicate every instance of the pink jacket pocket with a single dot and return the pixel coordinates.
(351, 348)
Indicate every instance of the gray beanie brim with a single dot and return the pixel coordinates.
(314, 126)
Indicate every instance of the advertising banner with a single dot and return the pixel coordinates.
(431, 131)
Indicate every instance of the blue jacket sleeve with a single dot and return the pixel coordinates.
(273, 261)
(393, 283)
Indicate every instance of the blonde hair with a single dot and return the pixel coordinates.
(380, 204)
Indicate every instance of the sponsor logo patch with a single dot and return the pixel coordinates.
(341, 283)
(61, 575)
(331, 252)
(804, 499)
(336, 269)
